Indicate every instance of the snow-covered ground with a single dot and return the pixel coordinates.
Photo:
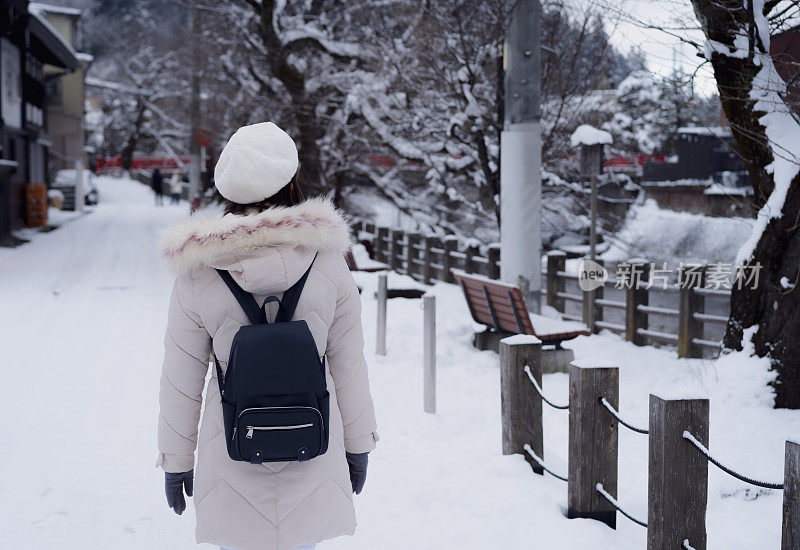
(662, 235)
(82, 320)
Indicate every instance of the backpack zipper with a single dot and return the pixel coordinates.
(251, 409)
(251, 429)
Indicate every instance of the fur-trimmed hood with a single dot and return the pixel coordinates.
(217, 240)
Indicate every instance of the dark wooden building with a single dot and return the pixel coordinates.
(702, 153)
(785, 51)
(29, 49)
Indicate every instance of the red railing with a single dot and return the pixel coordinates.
(109, 164)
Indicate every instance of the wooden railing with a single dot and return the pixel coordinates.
(690, 318)
(428, 258)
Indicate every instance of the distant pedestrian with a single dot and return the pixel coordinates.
(157, 183)
(175, 188)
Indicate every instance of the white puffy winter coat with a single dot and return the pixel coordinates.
(273, 506)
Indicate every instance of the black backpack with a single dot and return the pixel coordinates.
(275, 402)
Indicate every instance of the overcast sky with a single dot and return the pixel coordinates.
(628, 22)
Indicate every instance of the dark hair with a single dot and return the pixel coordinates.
(288, 195)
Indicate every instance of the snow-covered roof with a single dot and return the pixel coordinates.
(719, 131)
(39, 7)
(732, 191)
(53, 40)
(686, 182)
(589, 135)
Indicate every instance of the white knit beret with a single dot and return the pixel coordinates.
(257, 162)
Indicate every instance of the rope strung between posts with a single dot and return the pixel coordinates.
(540, 462)
(700, 447)
(615, 414)
(541, 394)
(686, 545)
(600, 489)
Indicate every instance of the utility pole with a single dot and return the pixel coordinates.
(521, 155)
(194, 111)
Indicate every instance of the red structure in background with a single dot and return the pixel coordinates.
(630, 163)
(105, 165)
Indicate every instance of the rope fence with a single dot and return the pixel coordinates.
(541, 463)
(527, 370)
(702, 448)
(615, 414)
(679, 433)
(600, 489)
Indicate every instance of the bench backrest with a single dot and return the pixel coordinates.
(499, 305)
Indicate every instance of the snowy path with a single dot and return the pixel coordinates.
(82, 320)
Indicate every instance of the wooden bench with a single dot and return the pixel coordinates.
(358, 260)
(501, 307)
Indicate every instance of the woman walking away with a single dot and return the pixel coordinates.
(175, 188)
(288, 422)
(157, 183)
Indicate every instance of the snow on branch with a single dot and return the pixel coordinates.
(316, 35)
(116, 86)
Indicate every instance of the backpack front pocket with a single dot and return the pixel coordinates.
(273, 434)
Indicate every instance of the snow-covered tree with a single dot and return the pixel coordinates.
(138, 99)
(768, 136)
(438, 101)
(649, 109)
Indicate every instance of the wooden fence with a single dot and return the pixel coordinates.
(428, 258)
(678, 435)
(691, 317)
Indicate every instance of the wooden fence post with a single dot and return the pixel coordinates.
(493, 268)
(690, 302)
(412, 254)
(427, 257)
(369, 227)
(593, 443)
(677, 491)
(396, 254)
(355, 228)
(591, 311)
(636, 294)
(790, 539)
(382, 244)
(521, 406)
(470, 265)
(449, 245)
(556, 261)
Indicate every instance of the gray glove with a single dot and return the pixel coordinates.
(175, 484)
(358, 470)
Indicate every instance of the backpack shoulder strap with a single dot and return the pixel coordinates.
(245, 299)
(292, 296)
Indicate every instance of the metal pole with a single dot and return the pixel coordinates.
(593, 226)
(194, 110)
(429, 353)
(521, 153)
(79, 187)
(380, 340)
